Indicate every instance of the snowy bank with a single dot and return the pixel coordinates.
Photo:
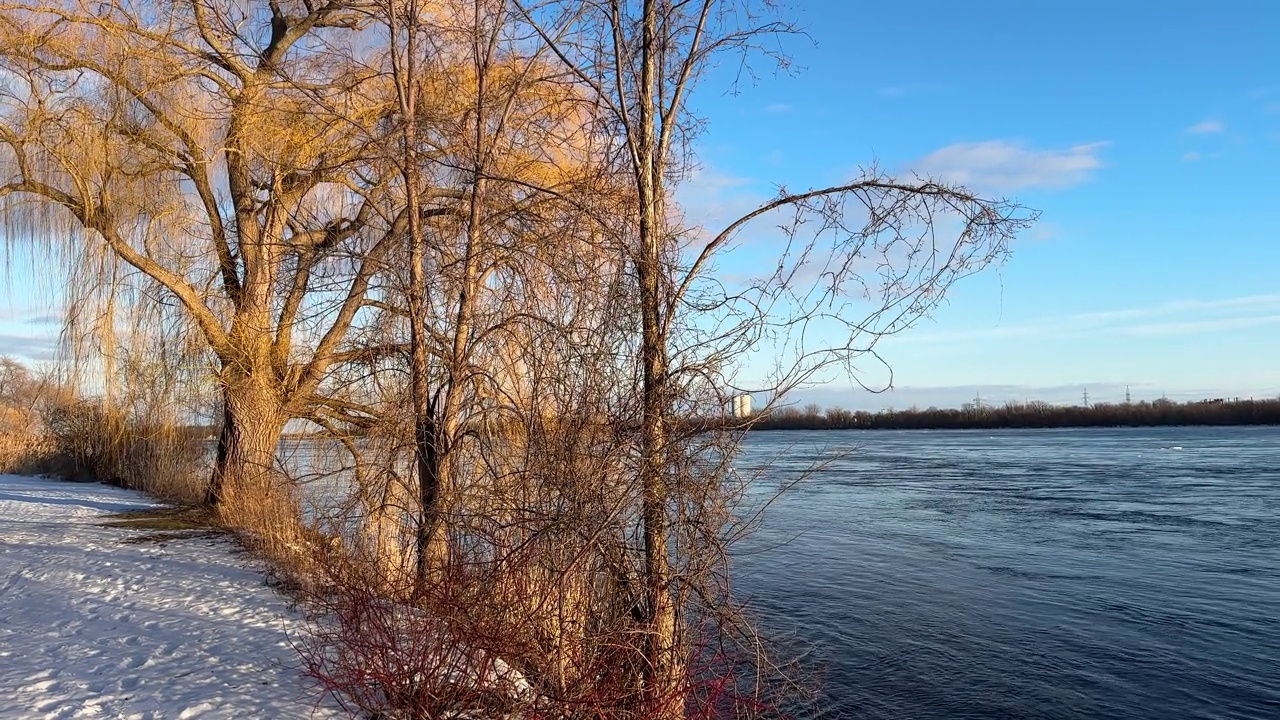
(92, 625)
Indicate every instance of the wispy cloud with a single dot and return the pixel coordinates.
(28, 330)
(21, 311)
(1268, 302)
(1043, 231)
(1196, 327)
(778, 108)
(1173, 318)
(1191, 156)
(1207, 127)
(893, 91)
(1007, 165)
(711, 198)
(28, 346)
(24, 310)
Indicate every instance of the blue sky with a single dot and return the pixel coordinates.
(1148, 134)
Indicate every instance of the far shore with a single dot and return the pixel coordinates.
(1033, 415)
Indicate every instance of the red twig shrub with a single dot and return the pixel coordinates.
(457, 650)
(432, 656)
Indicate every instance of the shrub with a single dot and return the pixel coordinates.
(27, 453)
(94, 442)
(465, 646)
(434, 656)
(266, 514)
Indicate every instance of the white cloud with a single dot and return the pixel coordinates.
(1043, 231)
(1007, 165)
(778, 108)
(28, 346)
(893, 92)
(1176, 317)
(1196, 327)
(28, 330)
(1208, 126)
(1173, 307)
(711, 199)
(1191, 156)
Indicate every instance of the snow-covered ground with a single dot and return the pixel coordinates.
(94, 626)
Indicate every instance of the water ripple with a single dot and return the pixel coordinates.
(1026, 574)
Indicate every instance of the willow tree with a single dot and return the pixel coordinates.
(856, 262)
(186, 139)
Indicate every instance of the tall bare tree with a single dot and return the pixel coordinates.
(874, 237)
(494, 151)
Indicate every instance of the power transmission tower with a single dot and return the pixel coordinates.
(1086, 397)
(1127, 399)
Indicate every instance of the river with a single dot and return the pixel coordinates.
(1082, 573)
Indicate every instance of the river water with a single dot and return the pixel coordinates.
(1082, 573)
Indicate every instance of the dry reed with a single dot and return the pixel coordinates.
(91, 442)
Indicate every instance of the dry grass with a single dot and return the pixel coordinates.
(88, 441)
(266, 510)
(266, 515)
(27, 453)
(85, 441)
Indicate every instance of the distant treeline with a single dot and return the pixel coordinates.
(1030, 415)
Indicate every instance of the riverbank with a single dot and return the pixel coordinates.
(113, 621)
(1032, 415)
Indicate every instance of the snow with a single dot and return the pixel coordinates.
(94, 626)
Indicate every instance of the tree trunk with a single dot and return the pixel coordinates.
(253, 422)
(662, 661)
(663, 694)
(430, 544)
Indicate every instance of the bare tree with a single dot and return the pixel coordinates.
(641, 59)
(21, 392)
(501, 185)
